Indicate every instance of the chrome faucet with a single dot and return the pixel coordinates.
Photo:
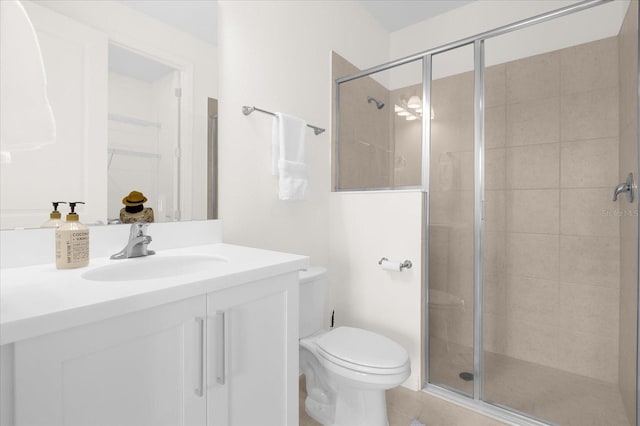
(137, 244)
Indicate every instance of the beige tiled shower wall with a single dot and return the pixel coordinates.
(366, 159)
(551, 246)
(552, 159)
(628, 57)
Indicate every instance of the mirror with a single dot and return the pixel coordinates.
(134, 101)
(143, 119)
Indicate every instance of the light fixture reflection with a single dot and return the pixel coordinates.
(411, 109)
(414, 102)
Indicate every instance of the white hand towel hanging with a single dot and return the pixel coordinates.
(288, 157)
(27, 119)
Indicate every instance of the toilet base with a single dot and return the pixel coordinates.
(358, 407)
(353, 407)
(321, 413)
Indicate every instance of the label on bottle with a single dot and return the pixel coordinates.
(72, 248)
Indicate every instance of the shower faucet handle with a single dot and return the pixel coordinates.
(627, 187)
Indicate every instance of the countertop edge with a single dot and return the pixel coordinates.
(38, 325)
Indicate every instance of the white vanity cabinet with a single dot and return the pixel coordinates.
(133, 370)
(253, 354)
(222, 358)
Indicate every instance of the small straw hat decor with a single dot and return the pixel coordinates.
(135, 198)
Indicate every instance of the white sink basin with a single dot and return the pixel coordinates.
(153, 267)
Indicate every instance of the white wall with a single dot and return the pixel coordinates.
(365, 227)
(276, 55)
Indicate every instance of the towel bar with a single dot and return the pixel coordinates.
(246, 110)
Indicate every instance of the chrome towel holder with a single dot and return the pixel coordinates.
(246, 110)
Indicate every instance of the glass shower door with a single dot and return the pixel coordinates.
(451, 221)
(554, 281)
(559, 310)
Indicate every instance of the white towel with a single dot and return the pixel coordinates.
(288, 159)
(27, 119)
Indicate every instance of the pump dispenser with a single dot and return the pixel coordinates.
(72, 241)
(55, 220)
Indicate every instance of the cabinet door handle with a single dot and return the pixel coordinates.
(221, 348)
(199, 389)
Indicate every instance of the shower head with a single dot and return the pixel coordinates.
(379, 104)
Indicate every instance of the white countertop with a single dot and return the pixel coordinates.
(40, 299)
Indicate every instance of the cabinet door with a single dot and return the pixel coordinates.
(253, 354)
(140, 369)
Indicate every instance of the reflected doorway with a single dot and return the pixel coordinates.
(212, 159)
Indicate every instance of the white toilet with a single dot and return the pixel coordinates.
(347, 369)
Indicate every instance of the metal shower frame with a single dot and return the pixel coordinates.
(476, 403)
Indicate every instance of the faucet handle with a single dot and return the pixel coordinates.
(138, 229)
(627, 187)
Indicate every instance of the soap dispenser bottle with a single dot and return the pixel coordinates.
(55, 218)
(72, 241)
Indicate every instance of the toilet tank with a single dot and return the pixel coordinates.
(313, 290)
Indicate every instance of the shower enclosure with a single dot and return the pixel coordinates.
(517, 138)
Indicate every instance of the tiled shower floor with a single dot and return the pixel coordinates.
(546, 393)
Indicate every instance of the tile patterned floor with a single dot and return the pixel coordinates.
(404, 405)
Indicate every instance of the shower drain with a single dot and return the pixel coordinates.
(466, 376)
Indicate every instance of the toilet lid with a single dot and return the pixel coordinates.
(362, 348)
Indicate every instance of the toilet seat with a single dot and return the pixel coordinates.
(363, 351)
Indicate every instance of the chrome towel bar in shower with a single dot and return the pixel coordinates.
(246, 110)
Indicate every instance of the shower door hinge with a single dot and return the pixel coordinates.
(178, 92)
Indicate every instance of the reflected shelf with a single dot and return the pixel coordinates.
(134, 121)
(130, 153)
